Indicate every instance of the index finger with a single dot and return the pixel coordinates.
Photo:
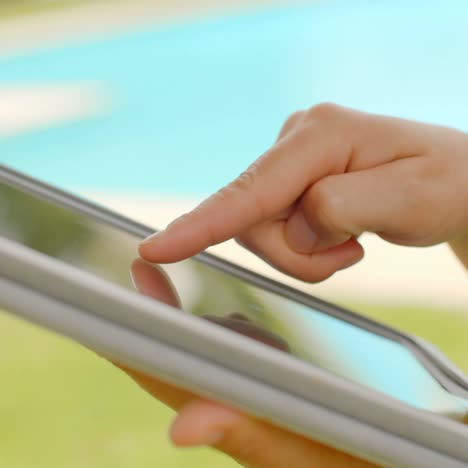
(268, 186)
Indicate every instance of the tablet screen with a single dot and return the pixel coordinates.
(194, 287)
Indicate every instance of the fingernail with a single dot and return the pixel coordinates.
(151, 238)
(212, 438)
(300, 236)
(134, 282)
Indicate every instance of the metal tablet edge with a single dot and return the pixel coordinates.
(443, 370)
(158, 359)
(63, 282)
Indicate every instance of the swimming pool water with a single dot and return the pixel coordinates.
(193, 104)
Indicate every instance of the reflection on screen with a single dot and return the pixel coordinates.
(227, 301)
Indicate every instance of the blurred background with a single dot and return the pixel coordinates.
(147, 107)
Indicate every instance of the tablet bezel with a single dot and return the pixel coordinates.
(70, 287)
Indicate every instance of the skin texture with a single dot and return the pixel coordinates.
(333, 174)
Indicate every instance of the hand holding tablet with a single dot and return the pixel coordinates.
(201, 422)
(300, 369)
(332, 174)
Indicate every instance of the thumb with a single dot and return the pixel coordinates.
(252, 442)
(340, 207)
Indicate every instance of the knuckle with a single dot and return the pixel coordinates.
(247, 183)
(331, 119)
(307, 136)
(294, 118)
(291, 122)
(324, 111)
(247, 179)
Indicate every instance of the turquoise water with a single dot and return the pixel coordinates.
(195, 103)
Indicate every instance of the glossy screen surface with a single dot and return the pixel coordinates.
(194, 287)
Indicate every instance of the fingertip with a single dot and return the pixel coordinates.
(348, 254)
(163, 247)
(146, 249)
(201, 423)
(181, 239)
(323, 265)
(179, 433)
(182, 437)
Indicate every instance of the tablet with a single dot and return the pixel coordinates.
(219, 330)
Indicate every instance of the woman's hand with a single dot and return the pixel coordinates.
(251, 442)
(333, 174)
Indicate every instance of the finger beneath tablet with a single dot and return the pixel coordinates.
(268, 242)
(251, 442)
(168, 394)
(152, 281)
(267, 187)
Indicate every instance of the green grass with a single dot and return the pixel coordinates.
(61, 406)
(12, 8)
